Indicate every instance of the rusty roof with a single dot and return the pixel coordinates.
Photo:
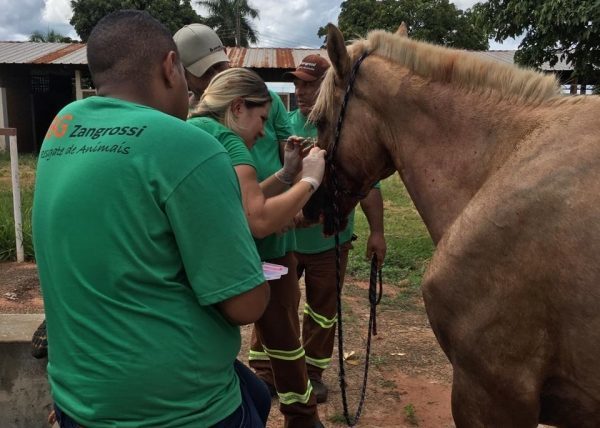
(42, 53)
(282, 58)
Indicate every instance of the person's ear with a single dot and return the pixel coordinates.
(171, 69)
(237, 106)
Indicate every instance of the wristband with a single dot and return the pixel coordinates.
(282, 176)
(313, 182)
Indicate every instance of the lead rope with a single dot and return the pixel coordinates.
(374, 299)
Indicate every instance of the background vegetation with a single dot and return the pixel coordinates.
(7, 225)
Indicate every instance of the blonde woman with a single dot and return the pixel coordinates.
(234, 109)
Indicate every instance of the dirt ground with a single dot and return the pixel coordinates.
(409, 376)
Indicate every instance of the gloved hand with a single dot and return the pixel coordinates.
(313, 167)
(292, 160)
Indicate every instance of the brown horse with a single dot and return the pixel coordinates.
(505, 173)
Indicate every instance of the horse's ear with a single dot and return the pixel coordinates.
(336, 49)
(402, 30)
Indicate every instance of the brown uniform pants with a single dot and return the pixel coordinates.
(276, 353)
(320, 309)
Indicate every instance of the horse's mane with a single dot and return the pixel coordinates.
(435, 63)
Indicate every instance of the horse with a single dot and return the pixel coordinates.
(505, 173)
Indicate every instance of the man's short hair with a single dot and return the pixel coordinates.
(311, 68)
(199, 48)
(127, 45)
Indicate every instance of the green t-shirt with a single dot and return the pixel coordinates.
(266, 157)
(310, 240)
(233, 143)
(139, 230)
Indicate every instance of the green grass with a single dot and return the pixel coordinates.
(410, 414)
(27, 165)
(337, 418)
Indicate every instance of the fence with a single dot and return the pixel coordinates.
(16, 189)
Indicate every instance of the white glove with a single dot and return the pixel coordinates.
(313, 167)
(292, 161)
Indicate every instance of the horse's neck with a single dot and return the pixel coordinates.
(446, 144)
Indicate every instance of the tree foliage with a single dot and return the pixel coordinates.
(435, 21)
(50, 36)
(553, 30)
(174, 14)
(231, 20)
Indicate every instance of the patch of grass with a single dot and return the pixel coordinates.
(337, 418)
(410, 414)
(27, 164)
(388, 384)
(378, 360)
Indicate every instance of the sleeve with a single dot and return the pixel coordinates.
(239, 153)
(279, 117)
(212, 233)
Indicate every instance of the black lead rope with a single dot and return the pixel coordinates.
(373, 297)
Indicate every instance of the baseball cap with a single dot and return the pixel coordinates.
(311, 68)
(199, 48)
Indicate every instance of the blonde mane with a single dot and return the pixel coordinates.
(463, 69)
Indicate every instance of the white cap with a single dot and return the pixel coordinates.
(199, 48)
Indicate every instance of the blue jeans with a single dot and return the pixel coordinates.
(256, 401)
(252, 413)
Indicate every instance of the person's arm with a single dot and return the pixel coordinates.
(218, 253)
(248, 307)
(269, 215)
(372, 206)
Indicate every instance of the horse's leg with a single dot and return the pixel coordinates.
(474, 407)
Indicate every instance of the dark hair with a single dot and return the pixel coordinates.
(126, 46)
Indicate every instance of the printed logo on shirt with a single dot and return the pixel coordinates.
(62, 126)
(59, 126)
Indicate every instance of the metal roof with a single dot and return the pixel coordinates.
(42, 53)
(506, 57)
(284, 58)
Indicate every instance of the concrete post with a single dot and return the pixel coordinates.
(16, 190)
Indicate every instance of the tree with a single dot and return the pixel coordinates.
(229, 18)
(174, 14)
(435, 21)
(553, 30)
(50, 36)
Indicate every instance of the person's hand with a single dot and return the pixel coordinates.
(376, 245)
(301, 222)
(289, 226)
(292, 160)
(313, 167)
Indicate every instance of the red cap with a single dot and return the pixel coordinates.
(312, 67)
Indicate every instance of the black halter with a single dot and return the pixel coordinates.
(340, 122)
(338, 131)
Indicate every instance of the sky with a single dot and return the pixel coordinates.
(282, 23)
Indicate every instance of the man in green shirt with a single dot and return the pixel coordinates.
(315, 253)
(146, 261)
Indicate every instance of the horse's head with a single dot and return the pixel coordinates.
(356, 160)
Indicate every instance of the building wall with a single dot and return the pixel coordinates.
(18, 105)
